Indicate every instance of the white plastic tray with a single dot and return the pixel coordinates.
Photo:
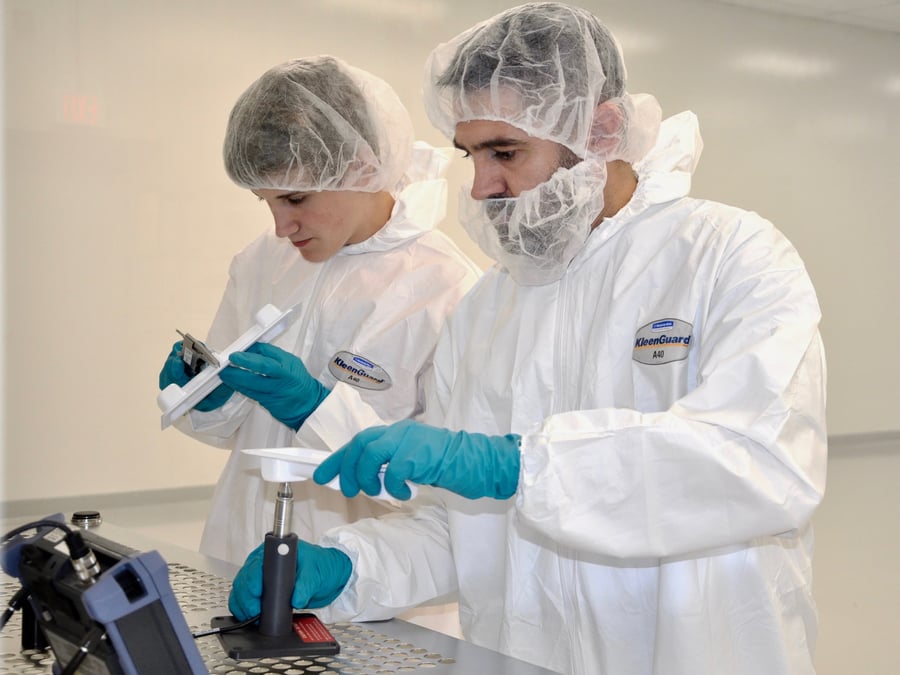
(175, 401)
(286, 465)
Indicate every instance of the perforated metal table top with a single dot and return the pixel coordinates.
(201, 586)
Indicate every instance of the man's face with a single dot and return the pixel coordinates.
(319, 224)
(507, 160)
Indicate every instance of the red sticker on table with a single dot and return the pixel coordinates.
(311, 629)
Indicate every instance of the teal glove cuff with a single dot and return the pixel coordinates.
(494, 459)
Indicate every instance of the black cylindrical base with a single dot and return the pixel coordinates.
(279, 573)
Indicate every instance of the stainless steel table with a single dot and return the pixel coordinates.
(201, 585)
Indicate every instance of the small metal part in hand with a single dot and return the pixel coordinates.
(195, 354)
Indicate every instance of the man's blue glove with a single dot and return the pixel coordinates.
(472, 465)
(276, 379)
(173, 372)
(322, 574)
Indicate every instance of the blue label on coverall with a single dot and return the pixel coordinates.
(358, 371)
(662, 341)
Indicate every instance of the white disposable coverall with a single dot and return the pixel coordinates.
(661, 524)
(384, 299)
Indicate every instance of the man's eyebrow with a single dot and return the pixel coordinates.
(286, 195)
(497, 142)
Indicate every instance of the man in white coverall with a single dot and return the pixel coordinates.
(624, 427)
(330, 149)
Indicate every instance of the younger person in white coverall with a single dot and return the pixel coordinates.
(624, 427)
(355, 201)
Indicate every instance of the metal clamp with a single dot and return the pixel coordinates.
(195, 354)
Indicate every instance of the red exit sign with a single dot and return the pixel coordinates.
(81, 109)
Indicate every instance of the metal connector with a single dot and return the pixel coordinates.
(284, 504)
(87, 569)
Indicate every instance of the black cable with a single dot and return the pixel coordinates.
(80, 554)
(87, 569)
(226, 629)
(34, 525)
(14, 604)
(89, 644)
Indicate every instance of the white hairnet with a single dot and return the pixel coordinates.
(542, 67)
(557, 73)
(318, 124)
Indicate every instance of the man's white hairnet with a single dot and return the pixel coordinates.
(542, 67)
(318, 124)
(555, 72)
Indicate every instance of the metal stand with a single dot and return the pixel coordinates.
(279, 630)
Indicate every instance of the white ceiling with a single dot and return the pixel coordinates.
(878, 14)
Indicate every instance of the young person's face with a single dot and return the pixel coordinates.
(319, 224)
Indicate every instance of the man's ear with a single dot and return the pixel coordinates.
(607, 129)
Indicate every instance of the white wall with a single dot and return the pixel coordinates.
(855, 580)
(120, 222)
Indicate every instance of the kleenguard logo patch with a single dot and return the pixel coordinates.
(358, 371)
(663, 341)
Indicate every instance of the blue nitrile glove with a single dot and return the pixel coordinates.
(322, 574)
(278, 380)
(472, 465)
(173, 372)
